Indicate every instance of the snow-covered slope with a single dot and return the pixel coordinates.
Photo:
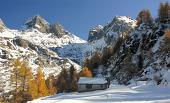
(36, 56)
(34, 46)
(48, 40)
(137, 93)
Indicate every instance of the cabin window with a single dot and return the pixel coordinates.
(101, 86)
(89, 86)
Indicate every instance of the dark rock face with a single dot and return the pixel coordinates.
(3, 54)
(96, 33)
(26, 44)
(21, 42)
(57, 29)
(136, 56)
(119, 26)
(38, 23)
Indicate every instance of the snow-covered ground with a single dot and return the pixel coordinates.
(115, 94)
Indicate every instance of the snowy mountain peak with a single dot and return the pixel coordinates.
(39, 23)
(120, 25)
(125, 19)
(122, 20)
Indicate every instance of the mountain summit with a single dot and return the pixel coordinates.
(39, 23)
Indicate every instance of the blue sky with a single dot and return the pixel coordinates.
(77, 16)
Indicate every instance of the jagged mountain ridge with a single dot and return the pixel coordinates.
(138, 52)
(142, 56)
(39, 23)
(99, 38)
(32, 45)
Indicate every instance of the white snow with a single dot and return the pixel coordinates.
(167, 76)
(91, 47)
(38, 26)
(6, 33)
(157, 45)
(48, 40)
(127, 20)
(115, 94)
(88, 80)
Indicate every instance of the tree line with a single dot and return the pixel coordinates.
(144, 15)
(27, 85)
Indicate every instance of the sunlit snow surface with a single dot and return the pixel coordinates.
(137, 93)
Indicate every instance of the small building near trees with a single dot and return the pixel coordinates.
(86, 84)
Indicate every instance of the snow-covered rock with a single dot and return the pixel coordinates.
(39, 23)
(33, 44)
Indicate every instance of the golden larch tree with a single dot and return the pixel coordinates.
(32, 87)
(86, 72)
(144, 16)
(51, 83)
(41, 85)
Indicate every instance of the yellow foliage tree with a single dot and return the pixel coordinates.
(20, 77)
(16, 65)
(32, 88)
(144, 16)
(165, 46)
(25, 75)
(167, 33)
(41, 85)
(20, 74)
(51, 85)
(164, 13)
(85, 72)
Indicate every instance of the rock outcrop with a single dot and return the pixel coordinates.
(39, 23)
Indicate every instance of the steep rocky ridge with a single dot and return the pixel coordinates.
(33, 45)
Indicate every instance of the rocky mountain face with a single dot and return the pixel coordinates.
(33, 45)
(100, 38)
(39, 23)
(96, 33)
(137, 52)
(58, 30)
(142, 56)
